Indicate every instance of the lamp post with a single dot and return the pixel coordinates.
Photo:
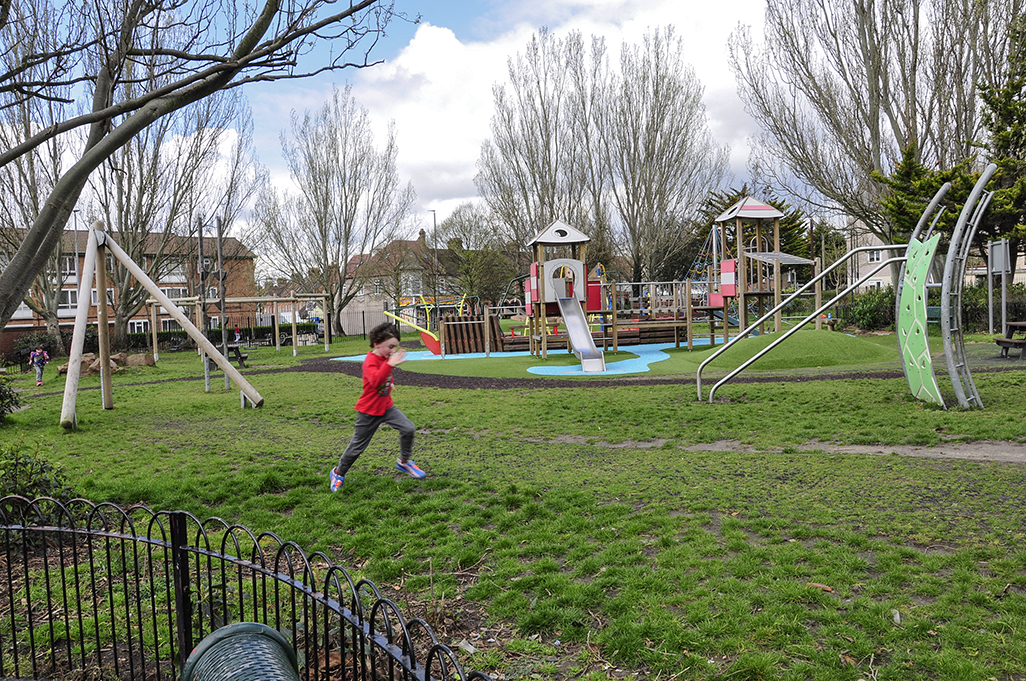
(434, 238)
(74, 215)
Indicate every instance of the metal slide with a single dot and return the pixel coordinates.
(592, 359)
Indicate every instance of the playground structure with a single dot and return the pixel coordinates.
(913, 312)
(97, 244)
(568, 306)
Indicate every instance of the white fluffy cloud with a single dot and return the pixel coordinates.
(438, 87)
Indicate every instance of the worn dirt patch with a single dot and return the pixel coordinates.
(981, 450)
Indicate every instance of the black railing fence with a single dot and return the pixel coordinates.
(89, 589)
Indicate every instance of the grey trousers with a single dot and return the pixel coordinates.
(367, 425)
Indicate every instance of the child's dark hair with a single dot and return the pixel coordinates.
(382, 332)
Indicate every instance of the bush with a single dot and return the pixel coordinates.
(31, 475)
(9, 398)
(873, 310)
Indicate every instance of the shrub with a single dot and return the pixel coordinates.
(874, 309)
(9, 398)
(31, 475)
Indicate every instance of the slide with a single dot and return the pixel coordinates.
(592, 359)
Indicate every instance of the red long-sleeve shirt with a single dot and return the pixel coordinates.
(377, 385)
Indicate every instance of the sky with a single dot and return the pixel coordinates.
(438, 74)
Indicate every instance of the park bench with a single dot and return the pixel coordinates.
(1009, 341)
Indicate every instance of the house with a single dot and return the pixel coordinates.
(404, 273)
(177, 279)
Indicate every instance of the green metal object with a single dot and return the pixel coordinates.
(244, 651)
(912, 322)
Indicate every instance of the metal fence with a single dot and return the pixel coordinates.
(100, 591)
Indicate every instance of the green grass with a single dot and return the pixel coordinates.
(593, 516)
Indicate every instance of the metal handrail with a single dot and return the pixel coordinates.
(751, 327)
(802, 323)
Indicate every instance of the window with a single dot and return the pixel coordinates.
(411, 284)
(379, 287)
(170, 325)
(69, 265)
(213, 293)
(874, 256)
(110, 297)
(68, 299)
(139, 326)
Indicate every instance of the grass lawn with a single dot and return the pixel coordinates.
(585, 532)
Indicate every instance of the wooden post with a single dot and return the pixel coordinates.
(69, 420)
(153, 331)
(742, 276)
(277, 327)
(778, 318)
(295, 338)
(540, 258)
(487, 332)
(102, 330)
(689, 314)
(616, 340)
(327, 325)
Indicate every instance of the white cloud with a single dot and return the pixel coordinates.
(438, 87)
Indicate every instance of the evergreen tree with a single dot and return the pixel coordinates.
(1004, 117)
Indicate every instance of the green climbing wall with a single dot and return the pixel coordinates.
(912, 328)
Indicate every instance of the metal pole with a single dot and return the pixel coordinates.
(221, 295)
(180, 568)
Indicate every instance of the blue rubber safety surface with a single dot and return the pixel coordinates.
(646, 355)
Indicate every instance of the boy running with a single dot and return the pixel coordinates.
(375, 408)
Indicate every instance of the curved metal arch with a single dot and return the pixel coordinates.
(951, 290)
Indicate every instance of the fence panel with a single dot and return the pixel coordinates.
(128, 593)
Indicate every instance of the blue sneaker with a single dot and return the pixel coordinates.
(410, 468)
(336, 480)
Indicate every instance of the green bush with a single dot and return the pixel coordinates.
(31, 475)
(9, 398)
(873, 310)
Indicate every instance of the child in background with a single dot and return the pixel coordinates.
(375, 408)
(39, 359)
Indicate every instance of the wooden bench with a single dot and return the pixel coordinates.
(1006, 343)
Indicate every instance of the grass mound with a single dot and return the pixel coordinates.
(810, 349)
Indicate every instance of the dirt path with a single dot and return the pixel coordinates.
(983, 450)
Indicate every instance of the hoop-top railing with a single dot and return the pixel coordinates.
(128, 593)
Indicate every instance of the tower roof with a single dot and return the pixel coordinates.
(559, 234)
(750, 207)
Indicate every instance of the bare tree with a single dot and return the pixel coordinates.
(625, 156)
(841, 89)
(149, 191)
(27, 181)
(187, 50)
(475, 250)
(534, 169)
(661, 155)
(350, 202)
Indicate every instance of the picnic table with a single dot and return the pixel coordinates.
(235, 353)
(1010, 341)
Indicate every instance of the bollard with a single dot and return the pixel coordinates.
(244, 651)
